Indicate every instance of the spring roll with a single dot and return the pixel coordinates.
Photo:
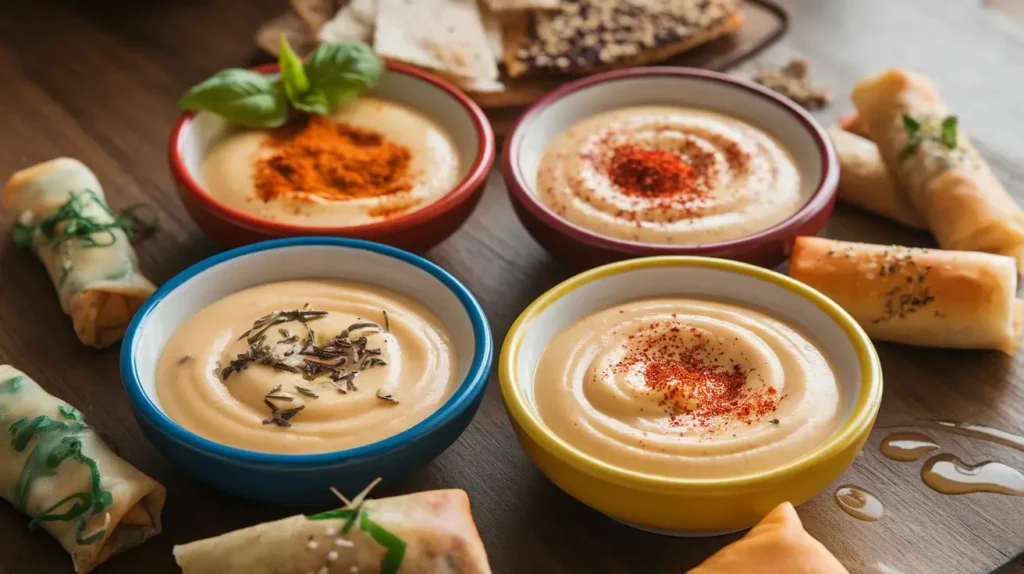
(423, 533)
(96, 274)
(864, 180)
(926, 297)
(57, 470)
(942, 173)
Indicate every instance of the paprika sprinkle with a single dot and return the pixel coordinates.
(319, 159)
(679, 363)
(644, 172)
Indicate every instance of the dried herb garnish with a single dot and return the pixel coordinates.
(774, 421)
(307, 392)
(387, 322)
(185, 359)
(337, 362)
(387, 397)
(911, 292)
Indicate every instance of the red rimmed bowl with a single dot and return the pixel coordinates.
(582, 248)
(417, 230)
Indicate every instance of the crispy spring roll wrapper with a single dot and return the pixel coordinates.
(99, 287)
(864, 180)
(955, 191)
(437, 528)
(925, 297)
(29, 482)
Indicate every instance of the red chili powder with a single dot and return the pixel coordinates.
(644, 172)
(694, 387)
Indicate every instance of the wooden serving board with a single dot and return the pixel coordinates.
(764, 23)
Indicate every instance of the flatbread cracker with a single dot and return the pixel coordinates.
(494, 29)
(442, 35)
(354, 22)
(589, 36)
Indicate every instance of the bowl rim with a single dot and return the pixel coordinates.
(471, 386)
(856, 426)
(815, 204)
(475, 177)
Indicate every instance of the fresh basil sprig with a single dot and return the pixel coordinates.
(331, 75)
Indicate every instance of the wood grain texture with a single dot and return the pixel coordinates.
(98, 80)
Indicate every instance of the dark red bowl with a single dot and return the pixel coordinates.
(417, 230)
(582, 248)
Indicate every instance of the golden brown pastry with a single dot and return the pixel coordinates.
(56, 469)
(926, 297)
(424, 533)
(864, 180)
(944, 176)
(777, 545)
(58, 204)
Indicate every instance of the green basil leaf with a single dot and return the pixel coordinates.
(240, 96)
(910, 124)
(948, 136)
(343, 71)
(293, 75)
(313, 102)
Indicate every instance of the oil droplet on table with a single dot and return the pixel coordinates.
(907, 446)
(859, 503)
(947, 474)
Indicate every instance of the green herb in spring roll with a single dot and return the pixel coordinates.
(424, 533)
(63, 216)
(57, 470)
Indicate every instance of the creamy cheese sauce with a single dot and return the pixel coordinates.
(744, 180)
(229, 169)
(687, 388)
(418, 373)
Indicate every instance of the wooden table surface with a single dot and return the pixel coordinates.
(98, 80)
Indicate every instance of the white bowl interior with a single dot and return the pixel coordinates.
(199, 135)
(298, 262)
(696, 282)
(532, 138)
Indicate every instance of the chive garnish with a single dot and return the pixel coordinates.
(69, 222)
(355, 514)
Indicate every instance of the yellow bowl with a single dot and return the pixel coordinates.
(685, 506)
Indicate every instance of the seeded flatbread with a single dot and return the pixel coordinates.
(298, 34)
(441, 35)
(585, 36)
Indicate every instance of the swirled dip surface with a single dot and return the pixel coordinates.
(669, 175)
(200, 387)
(687, 388)
(429, 172)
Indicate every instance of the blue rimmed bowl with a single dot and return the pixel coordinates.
(305, 479)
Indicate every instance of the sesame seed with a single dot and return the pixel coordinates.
(331, 531)
(332, 556)
(343, 542)
(312, 545)
(353, 569)
(323, 570)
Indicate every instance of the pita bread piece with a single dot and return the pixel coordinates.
(587, 36)
(442, 35)
(353, 23)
